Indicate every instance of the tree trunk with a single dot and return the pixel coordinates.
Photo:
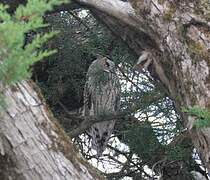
(176, 35)
(32, 144)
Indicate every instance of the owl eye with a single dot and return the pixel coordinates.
(107, 64)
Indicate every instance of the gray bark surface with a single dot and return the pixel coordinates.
(32, 144)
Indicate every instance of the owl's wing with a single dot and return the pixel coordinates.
(117, 91)
(87, 99)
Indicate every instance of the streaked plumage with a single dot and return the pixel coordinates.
(101, 97)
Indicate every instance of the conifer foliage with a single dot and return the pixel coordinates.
(15, 55)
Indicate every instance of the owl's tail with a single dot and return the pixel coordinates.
(100, 134)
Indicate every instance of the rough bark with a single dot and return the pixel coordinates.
(176, 35)
(32, 144)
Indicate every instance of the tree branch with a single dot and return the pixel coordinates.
(118, 9)
(87, 122)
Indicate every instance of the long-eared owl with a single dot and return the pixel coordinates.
(101, 98)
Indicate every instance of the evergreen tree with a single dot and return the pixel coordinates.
(146, 138)
(16, 56)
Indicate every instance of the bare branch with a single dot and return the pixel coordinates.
(123, 11)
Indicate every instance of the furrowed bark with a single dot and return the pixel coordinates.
(32, 144)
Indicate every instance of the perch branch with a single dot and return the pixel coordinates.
(87, 122)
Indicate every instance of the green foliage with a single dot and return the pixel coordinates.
(176, 153)
(15, 56)
(202, 116)
(63, 75)
(180, 152)
(143, 141)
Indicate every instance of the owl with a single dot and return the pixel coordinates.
(101, 98)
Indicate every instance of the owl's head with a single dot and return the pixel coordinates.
(106, 64)
(101, 69)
